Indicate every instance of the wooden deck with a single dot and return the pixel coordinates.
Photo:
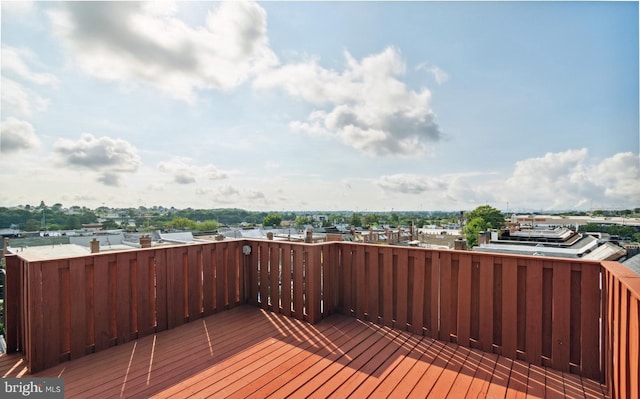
(249, 352)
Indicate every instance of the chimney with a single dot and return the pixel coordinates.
(145, 242)
(95, 246)
(5, 246)
(270, 236)
(484, 237)
(460, 245)
(309, 236)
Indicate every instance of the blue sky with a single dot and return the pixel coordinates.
(321, 105)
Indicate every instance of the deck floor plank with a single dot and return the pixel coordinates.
(247, 352)
(372, 385)
(517, 386)
(572, 386)
(554, 384)
(393, 380)
(500, 378)
(320, 364)
(464, 379)
(536, 382)
(445, 382)
(370, 367)
(339, 371)
(426, 382)
(482, 378)
(282, 372)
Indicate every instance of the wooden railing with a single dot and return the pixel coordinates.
(621, 352)
(543, 311)
(567, 314)
(67, 308)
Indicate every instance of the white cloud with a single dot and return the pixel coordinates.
(17, 135)
(18, 100)
(17, 7)
(620, 175)
(229, 195)
(366, 106)
(15, 61)
(572, 178)
(106, 155)
(110, 179)
(185, 171)
(556, 181)
(410, 184)
(438, 74)
(131, 41)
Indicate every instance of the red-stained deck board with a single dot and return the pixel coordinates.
(250, 352)
(482, 378)
(430, 377)
(295, 378)
(335, 374)
(443, 386)
(464, 377)
(500, 378)
(372, 386)
(372, 367)
(536, 382)
(518, 377)
(279, 374)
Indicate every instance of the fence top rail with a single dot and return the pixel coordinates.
(55, 253)
(626, 276)
(28, 256)
(474, 253)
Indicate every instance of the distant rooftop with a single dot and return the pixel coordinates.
(633, 263)
(46, 252)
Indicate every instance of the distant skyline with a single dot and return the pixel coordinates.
(364, 106)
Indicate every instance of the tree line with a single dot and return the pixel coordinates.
(55, 217)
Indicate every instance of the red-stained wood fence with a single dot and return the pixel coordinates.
(621, 353)
(68, 308)
(568, 314)
(544, 311)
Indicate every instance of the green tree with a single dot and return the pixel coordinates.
(109, 224)
(591, 227)
(182, 223)
(473, 228)
(621, 231)
(32, 225)
(481, 219)
(489, 214)
(272, 219)
(72, 223)
(336, 219)
(355, 220)
(302, 220)
(207, 225)
(370, 219)
(394, 218)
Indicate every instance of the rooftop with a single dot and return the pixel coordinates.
(257, 317)
(248, 352)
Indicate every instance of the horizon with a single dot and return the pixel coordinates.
(369, 106)
(317, 211)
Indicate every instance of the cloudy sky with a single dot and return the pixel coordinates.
(323, 105)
